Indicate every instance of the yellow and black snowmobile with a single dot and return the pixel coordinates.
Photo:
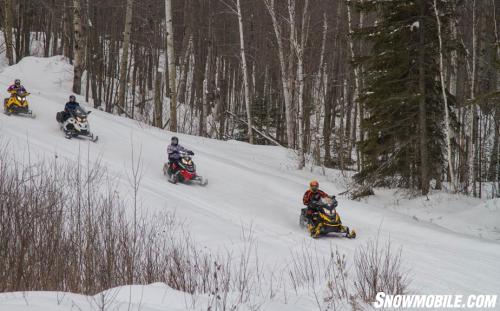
(324, 220)
(18, 104)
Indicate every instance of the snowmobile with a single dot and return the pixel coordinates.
(186, 172)
(76, 125)
(18, 104)
(326, 218)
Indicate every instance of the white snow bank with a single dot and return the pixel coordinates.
(153, 297)
(462, 214)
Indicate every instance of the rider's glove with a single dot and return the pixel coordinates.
(190, 152)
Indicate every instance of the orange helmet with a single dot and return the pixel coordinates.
(314, 185)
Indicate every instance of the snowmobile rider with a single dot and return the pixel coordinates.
(14, 88)
(174, 150)
(311, 197)
(70, 106)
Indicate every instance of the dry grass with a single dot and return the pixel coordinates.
(379, 268)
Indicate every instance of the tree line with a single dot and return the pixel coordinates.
(403, 92)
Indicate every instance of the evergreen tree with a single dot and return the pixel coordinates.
(405, 113)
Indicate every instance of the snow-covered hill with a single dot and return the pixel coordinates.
(248, 185)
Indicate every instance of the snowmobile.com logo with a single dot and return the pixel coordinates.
(434, 301)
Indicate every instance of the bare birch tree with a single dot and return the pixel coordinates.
(472, 109)
(357, 84)
(8, 31)
(124, 59)
(445, 98)
(78, 48)
(298, 45)
(424, 177)
(320, 95)
(285, 74)
(245, 72)
(171, 66)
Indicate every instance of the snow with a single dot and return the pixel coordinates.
(456, 212)
(450, 243)
(153, 297)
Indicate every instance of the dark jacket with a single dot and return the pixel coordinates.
(71, 106)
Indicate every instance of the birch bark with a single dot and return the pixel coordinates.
(78, 48)
(245, 73)
(171, 66)
(285, 75)
(124, 58)
(445, 98)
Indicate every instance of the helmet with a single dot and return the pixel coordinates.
(17, 82)
(72, 98)
(314, 185)
(174, 140)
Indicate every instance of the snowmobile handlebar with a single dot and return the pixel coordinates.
(20, 93)
(334, 203)
(79, 111)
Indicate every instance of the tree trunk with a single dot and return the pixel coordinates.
(66, 34)
(79, 48)
(8, 31)
(285, 76)
(171, 66)
(124, 59)
(471, 120)
(357, 84)
(424, 180)
(248, 100)
(320, 96)
(299, 46)
(445, 100)
(205, 102)
(494, 165)
(158, 116)
(453, 85)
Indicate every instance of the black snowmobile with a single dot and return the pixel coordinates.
(325, 220)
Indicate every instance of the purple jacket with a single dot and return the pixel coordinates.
(13, 87)
(173, 151)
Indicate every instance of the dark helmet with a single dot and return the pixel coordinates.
(17, 82)
(174, 140)
(72, 98)
(314, 185)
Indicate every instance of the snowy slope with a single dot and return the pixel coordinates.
(248, 185)
(460, 213)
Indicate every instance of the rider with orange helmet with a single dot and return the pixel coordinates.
(312, 196)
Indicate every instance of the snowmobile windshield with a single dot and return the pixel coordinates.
(79, 112)
(328, 206)
(21, 93)
(187, 160)
(326, 201)
(328, 210)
